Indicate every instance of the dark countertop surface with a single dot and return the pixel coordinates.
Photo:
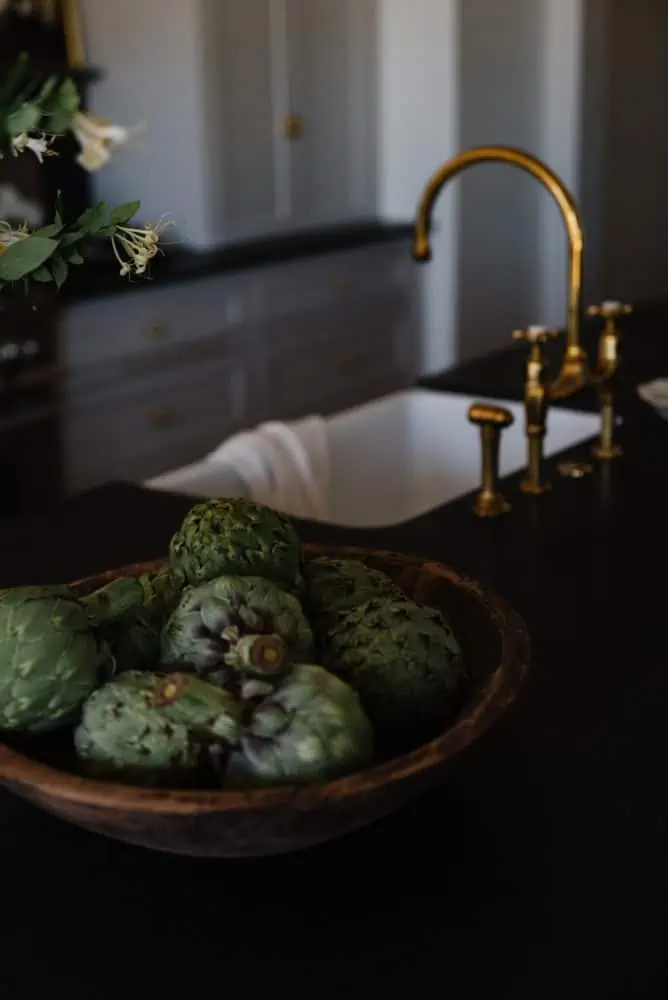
(538, 869)
(99, 276)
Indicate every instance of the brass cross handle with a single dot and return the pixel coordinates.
(536, 388)
(608, 345)
(535, 334)
(607, 375)
(491, 420)
(610, 310)
(536, 397)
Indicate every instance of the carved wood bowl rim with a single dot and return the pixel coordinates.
(485, 704)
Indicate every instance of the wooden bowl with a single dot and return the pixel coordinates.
(271, 821)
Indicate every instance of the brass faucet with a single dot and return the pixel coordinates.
(573, 375)
(536, 398)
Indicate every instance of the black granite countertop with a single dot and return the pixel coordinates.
(538, 869)
(99, 276)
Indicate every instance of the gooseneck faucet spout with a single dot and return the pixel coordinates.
(573, 375)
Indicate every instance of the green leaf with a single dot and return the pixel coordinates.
(21, 258)
(62, 107)
(68, 95)
(93, 219)
(46, 90)
(57, 121)
(71, 255)
(42, 274)
(58, 207)
(17, 77)
(106, 231)
(24, 119)
(59, 270)
(122, 214)
(72, 237)
(51, 230)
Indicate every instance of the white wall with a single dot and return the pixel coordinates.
(500, 103)
(418, 129)
(457, 73)
(559, 144)
(633, 191)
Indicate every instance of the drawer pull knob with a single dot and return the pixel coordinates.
(157, 331)
(293, 127)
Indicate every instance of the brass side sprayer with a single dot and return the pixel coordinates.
(491, 420)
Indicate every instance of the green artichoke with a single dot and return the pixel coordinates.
(404, 662)
(147, 729)
(333, 587)
(206, 626)
(236, 537)
(51, 658)
(133, 612)
(311, 728)
(253, 665)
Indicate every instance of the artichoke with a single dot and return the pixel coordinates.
(133, 612)
(236, 537)
(206, 626)
(149, 730)
(253, 665)
(404, 662)
(333, 587)
(51, 658)
(310, 728)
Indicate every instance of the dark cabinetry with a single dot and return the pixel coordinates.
(30, 452)
(155, 380)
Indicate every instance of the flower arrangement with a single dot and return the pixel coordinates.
(33, 112)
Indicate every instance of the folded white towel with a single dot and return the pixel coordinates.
(200, 479)
(285, 466)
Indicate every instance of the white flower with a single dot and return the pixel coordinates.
(98, 139)
(9, 236)
(135, 248)
(39, 145)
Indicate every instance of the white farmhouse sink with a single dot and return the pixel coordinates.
(402, 455)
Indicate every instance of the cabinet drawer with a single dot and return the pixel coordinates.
(304, 285)
(313, 361)
(150, 424)
(148, 321)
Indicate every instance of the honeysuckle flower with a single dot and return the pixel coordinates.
(135, 248)
(10, 235)
(98, 138)
(39, 145)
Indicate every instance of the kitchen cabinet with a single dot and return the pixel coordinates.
(335, 332)
(331, 69)
(260, 115)
(292, 83)
(154, 380)
(134, 419)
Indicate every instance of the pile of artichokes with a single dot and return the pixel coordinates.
(241, 663)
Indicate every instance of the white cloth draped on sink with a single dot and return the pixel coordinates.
(285, 466)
